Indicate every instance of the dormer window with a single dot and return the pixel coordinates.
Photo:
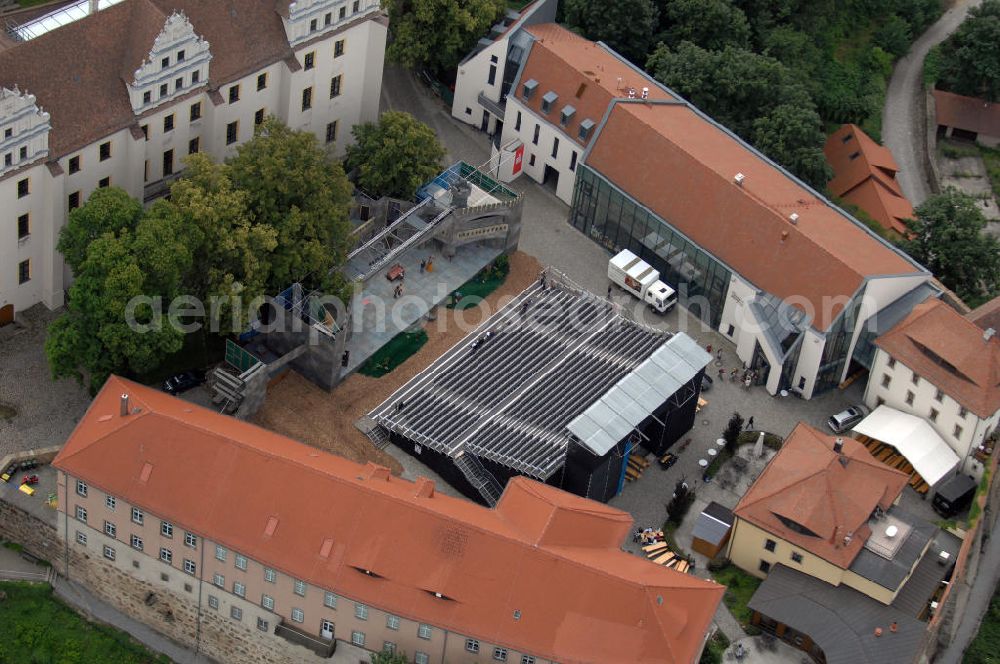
(547, 101)
(567, 115)
(165, 62)
(585, 128)
(528, 89)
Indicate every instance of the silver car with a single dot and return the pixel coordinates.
(846, 419)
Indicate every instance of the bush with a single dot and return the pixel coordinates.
(681, 502)
(732, 432)
(715, 649)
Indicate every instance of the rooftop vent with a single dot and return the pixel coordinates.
(631, 93)
(124, 405)
(891, 531)
(645, 93)
(838, 445)
(989, 334)
(794, 218)
(943, 558)
(784, 235)
(739, 178)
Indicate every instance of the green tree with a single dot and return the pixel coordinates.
(970, 58)
(438, 33)
(711, 24)
(627, 26)
(680, 502)
(293, 187)
(793, 136)
(894, 35)
(386, 657)
(394, 156)
(731, 434)
(108, 210)
(947, 238)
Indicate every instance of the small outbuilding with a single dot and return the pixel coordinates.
(711, 530)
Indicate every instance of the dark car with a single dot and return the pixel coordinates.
(183, 381)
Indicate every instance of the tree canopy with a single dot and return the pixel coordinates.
(438, 33)
(394, 156)
(627, 26)
(948, 239)
(711, 24)
(970, 58)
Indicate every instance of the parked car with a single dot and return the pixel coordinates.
(846, 419)
(954, 496)
(183, 381)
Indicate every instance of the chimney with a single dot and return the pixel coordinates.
(92, 7)
(124, 404)
(794, 218)
(838, 445)
(739, 178)
(989, 334)
(784, 235)
(645, 93)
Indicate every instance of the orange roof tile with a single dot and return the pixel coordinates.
(681, 165)
(808, 484)
(552, 556)
(968, 113)
(986, 315)
(585, 75)
(864, 173)
(950, 351)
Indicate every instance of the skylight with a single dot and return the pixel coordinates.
(59, 18)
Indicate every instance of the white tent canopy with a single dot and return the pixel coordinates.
(915, 439)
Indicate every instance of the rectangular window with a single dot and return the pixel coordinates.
(796, 557)
(81, 488)
(962, 412)
(234, 94)
(145, 131)
(168, 163)
(891, 363)
(886, 379)
(338, 48)
(219, 580)
(309, 61)
(110, 529)
(421, 658)
(313, 24)
(81, 513)
(166, 555)
(195, 111)
(517, 121)
(361, 612)
(389, 647)
(109, 553)
(166, 529)
(472, 645)
(307, 99)
(195, 76)
(358, 638)
(915, 379)
(491, 79)
(8, 159)
(168, 123)
(909, 398)
(343, 13)
(189, 566)
(164, 90)
(391, 621)
(23, 226)
(105, 151)
(213, 602)
(194, 145)
(74, 164)
(110, 502)
(23, 188)
(165, 62)
(269, 575)
(356, 6)
(180, 55)
(424, 631)
(81, 538)
(239, 589)
(236, 613)
(572, 161)
(329, 600)
(178, 84)
(220, 552)
(555, 147)
(24, 271)
(136, 542)
(934, 415)
(531, 160)
(769, 545)
(22, 154)
(300, 588)
(328, 18)
(104, 183)
(240, 561)
(258, 117)
(500, 654)
(297, 615)
(764, 566)
(267, 602)
(957, 432)
(527, 659)
(262, 81)
(534, 138)
(939, 396)
(190, 540)
(335, 85)
(331, 131)
(147, 97)
(232, 131)
(262, 624)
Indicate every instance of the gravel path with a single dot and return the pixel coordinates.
(904, 125)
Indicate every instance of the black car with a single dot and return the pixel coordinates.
(183, 381)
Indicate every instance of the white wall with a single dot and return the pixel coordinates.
(473, 78)
(540, 152)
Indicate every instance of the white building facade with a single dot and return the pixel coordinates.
(186, 95)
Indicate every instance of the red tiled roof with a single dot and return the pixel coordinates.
(79, 71)
(567, 64)
(986, 315)
(950, 351)
(550, 555)
(968, 113)
(682, 166)
(867, 180)
(807, 483)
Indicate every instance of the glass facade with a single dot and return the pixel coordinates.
(838, 341)
(613, 219)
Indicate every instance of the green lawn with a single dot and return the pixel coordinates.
(488, 280)
(394, 353)
(985, 648)
(715, 649)
(37, 628)
(740, 587)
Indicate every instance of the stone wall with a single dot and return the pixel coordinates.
(37, 537)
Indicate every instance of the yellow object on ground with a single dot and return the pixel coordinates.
(25, 488)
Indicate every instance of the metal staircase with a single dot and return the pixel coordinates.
(479, 477)
(379, 436)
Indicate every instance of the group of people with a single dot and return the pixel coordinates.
(748, 377)
(426, 265)
(647, 536)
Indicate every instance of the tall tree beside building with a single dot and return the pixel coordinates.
(394, 156)
(627, 26)
(711, 24)
(436, 34)
(947, 238)
(970, 58)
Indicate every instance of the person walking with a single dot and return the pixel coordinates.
(609, 291)
(423, 266)
(750, 424)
